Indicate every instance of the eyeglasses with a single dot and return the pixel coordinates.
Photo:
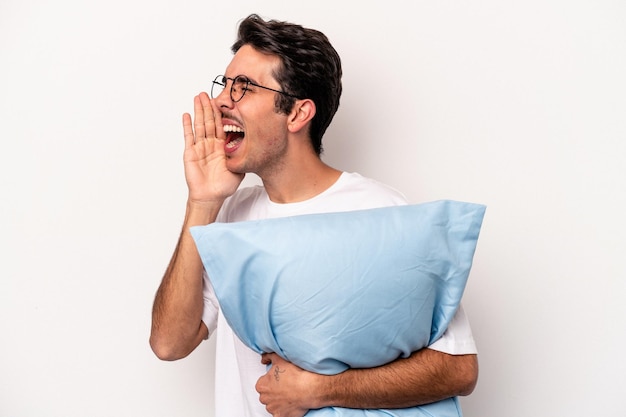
(238, 88)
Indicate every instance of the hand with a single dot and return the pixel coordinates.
(286, 390)
(207, 177)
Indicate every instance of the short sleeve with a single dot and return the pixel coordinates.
(458, 338)
(211, 305)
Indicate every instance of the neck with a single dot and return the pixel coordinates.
(300, 180)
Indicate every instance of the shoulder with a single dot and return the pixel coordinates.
(240, 205)
(376, 193)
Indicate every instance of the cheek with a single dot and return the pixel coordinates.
(264, 127)
(272, 133)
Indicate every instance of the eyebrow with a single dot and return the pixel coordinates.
(252, 80)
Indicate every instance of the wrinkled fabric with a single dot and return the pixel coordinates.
(344, 290)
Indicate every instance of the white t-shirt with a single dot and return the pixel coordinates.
(237, 367)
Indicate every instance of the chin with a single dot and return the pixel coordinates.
(234, 168)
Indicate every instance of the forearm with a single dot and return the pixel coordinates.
(177, 326)
(426, 376)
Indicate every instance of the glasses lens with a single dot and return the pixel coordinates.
(218, 86)
(239, 88)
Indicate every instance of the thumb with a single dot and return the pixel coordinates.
(267, 358)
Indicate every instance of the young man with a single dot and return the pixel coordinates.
(267, 116)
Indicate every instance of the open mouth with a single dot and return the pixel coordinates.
(234, 137)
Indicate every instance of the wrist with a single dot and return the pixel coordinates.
(202, 212)
(323, 391)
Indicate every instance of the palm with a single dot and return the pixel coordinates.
(206, 172)
(204, 157)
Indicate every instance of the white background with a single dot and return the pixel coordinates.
(519, 105)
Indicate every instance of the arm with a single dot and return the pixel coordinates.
(177, 327)
(424, 377)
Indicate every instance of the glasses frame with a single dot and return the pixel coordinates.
(222, 81)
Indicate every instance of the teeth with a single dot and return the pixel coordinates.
(233, 143)
(231, 128)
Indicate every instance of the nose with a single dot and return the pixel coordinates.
(223, 99)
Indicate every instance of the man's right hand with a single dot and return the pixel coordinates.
(208, 179)
(177, 326)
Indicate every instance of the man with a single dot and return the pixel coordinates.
(267, 116)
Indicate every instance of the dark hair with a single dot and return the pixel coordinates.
(311, 67)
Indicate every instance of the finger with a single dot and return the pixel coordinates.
(209, 117)
(198, 119)
(217, 116)
(188, 130)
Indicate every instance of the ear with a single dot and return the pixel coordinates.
(301, 114)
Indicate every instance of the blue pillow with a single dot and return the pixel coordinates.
(343, 290)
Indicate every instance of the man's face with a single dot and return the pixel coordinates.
(262, 144)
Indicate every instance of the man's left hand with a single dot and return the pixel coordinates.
(286, 390)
